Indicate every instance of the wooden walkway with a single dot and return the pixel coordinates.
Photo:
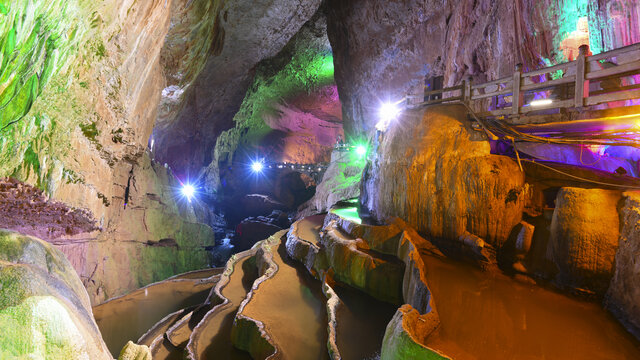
(570, 91)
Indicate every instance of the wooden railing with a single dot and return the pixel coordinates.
(566, 85)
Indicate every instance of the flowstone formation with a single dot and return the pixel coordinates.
(325, 307)
(436, 172)
(44, 309)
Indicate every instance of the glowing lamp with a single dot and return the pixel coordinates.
(188, 191)
(541, 102)
(389, 111)
(257, 166)
(361, 150)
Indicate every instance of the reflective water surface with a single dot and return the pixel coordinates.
(129, 317)
(491, 316)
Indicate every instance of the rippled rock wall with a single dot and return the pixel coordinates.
(79, 88)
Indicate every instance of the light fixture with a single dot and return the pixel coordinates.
(389, 111)
(361, 150)
(541, 102)
(257, 166)
(188, 191)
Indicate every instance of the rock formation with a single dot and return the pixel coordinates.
(415, 39)
(44, 309)
(584, 237)
(211, 54)
(436, 173)
(623, 296)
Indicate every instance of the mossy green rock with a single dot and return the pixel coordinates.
(44, 309)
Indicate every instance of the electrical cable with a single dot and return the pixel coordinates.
(583, 179)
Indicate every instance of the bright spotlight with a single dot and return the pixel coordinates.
(389, 111)
(361, 150)
(257, 166)
(188, 191)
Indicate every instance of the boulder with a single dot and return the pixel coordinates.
(252, 230)
(623, 296)
(584, 237)
(45, 311)
(133, 351)
(435, 172)
(406, 334)
(341, 181)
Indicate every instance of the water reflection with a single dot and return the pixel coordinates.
(490, 316)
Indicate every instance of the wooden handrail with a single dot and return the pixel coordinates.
(578, 72)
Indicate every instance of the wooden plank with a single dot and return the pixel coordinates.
(563, 66)
(438, 101)
(550, 83)
(621, 88)
(440, 91)
(631, 56)
(614, 96)
(614, 53)
(517, 95)
(499, 112)
(495, 82)
(553, 105)
(496, 93)
(635, 65)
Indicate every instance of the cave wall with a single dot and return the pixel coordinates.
(80, 86)
(209, 63)
(291, 112)
(415, 39)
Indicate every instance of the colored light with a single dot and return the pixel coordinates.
(541, 102)
(257, 166)
(188, 191)
(361, 150)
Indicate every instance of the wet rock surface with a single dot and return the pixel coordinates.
(437, 174)
(340, 182)
(44, 309)
(584, 237)
(623, 295)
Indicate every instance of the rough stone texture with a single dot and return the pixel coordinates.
(623, 296)
(133, 351)
(406, 334)
(354, 265)
(290, 113)
(252, 230)
(436, 173)
(44, 309)
(484, 39)
(233, 36)
(89, 80)
(145, 242)
(584, 237)
(341, 181)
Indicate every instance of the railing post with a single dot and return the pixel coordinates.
(517, 101)
(581, 83)
(466, 91)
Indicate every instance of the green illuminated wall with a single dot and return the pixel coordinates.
(305, 65)
(37, 41)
